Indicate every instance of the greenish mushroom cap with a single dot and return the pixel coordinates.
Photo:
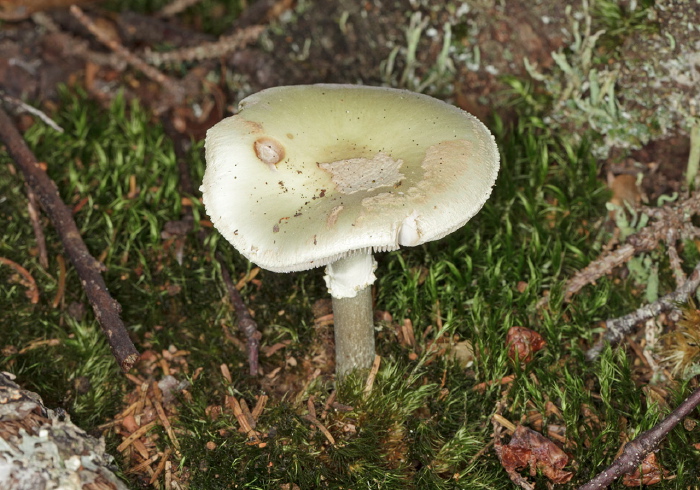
(305, 175)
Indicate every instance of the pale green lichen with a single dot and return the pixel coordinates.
(644, 89)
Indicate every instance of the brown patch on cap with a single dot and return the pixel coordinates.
(333, 216)
(269, 150)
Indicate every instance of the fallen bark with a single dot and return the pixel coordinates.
(89, 269)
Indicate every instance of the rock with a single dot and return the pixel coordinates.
(42, 448)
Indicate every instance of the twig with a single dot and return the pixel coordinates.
(510, 426)
(246, 413)
(598, 268)
(496, 420)
(481, 452)
(503, 381)
(33, 209)
(161, 466)
(262, 11)
(142, 466)
(329, 402)
(694, 156)
(205, 51)
(245, 321)
(175, 7)
(32, 289)
(74, 46)
(171, 85)
(259, 407)
(136, 435)
(88, 268)
(157, 401)
(619, 327)
(673, 257)
(372, 375)
(671, 217)
(61, 289)
(302, 393)
(635, 451)
(32, 110)
(252, 435)
(321, 427)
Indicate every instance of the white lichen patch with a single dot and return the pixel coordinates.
(364, 174)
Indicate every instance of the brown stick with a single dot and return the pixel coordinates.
(175, 7)
(617, 328)
(207, 51)
(168, 84)
(32, 290)
(672, 222)
(635, 451)
(33, 209)
(106, 308)
(245, 321)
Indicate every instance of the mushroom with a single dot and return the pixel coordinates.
(326, 175)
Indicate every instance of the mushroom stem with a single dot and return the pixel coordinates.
(354, 332)
(349, 281)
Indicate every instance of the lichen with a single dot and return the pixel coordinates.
(642, 90)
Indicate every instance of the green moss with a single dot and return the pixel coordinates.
(423, 425)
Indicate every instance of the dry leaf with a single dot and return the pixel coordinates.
(528, 448)
(648, 473)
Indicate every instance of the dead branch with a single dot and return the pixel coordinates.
(88, 268)
(619, 327)
(635, 451)
(497, 420)
(29, 282)
(674, 258)
(71, 45)
(213, 50)
(321, 427)
(671, 223)
(245, 321)
(170, 85)
(33, 210)
(22, 106)
(175, 7)
(598, 268)
(260, 12)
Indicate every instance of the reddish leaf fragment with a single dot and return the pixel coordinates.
(523, 343)
(648, 473)
(528, 448)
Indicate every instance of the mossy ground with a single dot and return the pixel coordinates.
(423, 425)
(423, 422)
